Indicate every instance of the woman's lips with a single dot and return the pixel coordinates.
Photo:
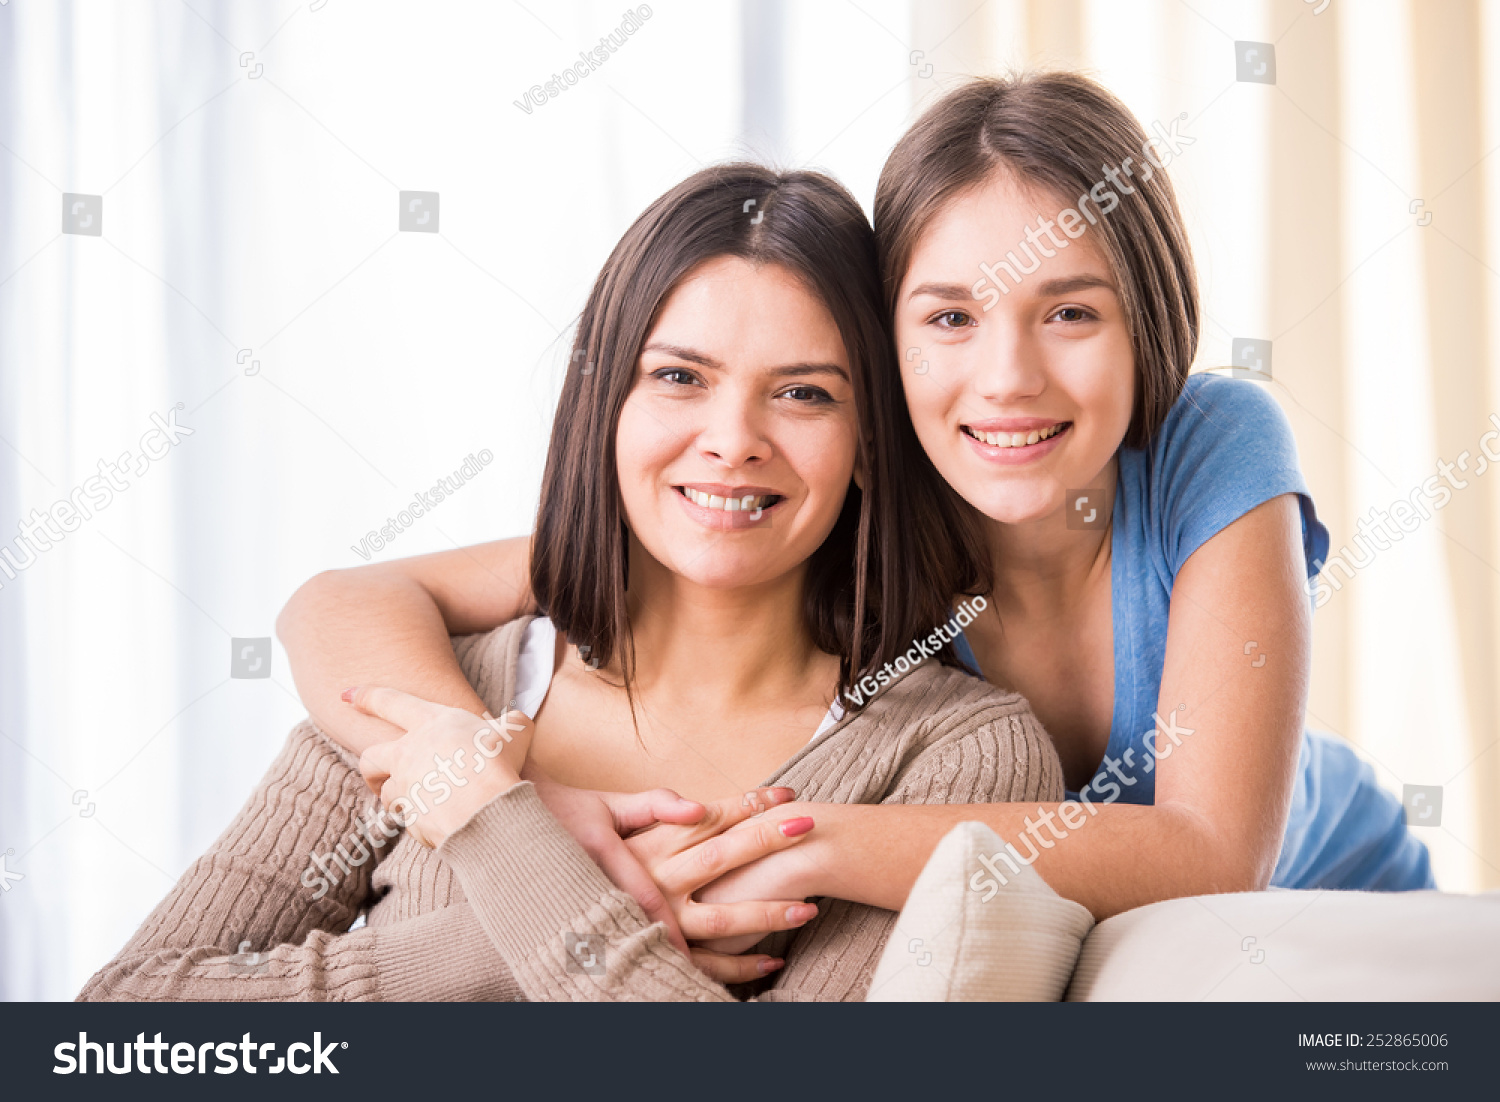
(1011, 455)
(753, 511)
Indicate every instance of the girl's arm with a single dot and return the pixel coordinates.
(253, 919)
(1223, 788)
(389, 623)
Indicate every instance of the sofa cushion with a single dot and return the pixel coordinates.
(957, 941)
(1295, 945)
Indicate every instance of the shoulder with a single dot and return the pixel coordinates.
(1225, 447)
(489, 659)
(1218, 417)
(956, 729)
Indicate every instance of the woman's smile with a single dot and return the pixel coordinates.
(728, 508)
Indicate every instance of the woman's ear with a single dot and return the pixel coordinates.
(859, 476)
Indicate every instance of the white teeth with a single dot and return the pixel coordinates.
(746, 503)
(1016, 439)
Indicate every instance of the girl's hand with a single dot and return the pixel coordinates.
(683, 859)
(447, 765)
(599, 821)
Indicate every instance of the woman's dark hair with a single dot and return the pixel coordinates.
(1057, 131)
(900, 549)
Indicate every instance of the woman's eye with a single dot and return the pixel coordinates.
(1078, 314)
(678, 375)
(807, 394)
(953, 319)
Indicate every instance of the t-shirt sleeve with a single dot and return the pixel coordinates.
(1225, 448)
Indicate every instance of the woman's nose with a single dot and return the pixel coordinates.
(733, 435)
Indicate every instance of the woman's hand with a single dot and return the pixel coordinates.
(599, 821)
(732, 833)
(447, 765)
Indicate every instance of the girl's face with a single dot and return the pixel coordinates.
(1029, 398)
(736, 446)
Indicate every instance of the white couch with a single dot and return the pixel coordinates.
(959, 940)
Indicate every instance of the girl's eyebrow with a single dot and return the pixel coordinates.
(1069, 284)
(702, 359)
(1061, 286)
(941, 290)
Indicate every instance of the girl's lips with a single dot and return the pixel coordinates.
(722, 520)
(1026, 453)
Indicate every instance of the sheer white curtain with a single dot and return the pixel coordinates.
(248, 161)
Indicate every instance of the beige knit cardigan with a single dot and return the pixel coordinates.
(491, 915)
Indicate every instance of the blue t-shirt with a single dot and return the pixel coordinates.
(1224, 448)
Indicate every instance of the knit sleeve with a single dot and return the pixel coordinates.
(263, 914)
(566, 932)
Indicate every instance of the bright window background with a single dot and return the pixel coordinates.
(256, 208)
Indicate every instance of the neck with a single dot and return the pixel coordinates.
(1043, 565)
(727, 646)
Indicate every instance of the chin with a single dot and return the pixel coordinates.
(729, 574)
(1016, 503)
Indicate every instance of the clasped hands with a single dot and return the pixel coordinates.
(709, 873)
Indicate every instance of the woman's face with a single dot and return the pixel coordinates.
(736, 447)
(1029, 398)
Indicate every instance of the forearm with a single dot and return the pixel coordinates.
(343, 629)
(1119, 857)
(390, 625)
(537, 893)
(443, 955)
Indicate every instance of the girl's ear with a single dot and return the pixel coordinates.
(859, 476)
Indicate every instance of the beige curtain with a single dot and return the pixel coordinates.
(1340, 213)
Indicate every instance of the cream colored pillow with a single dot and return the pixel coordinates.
(953, 942)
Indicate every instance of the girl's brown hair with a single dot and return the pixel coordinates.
(1056, 131)
(900, 549)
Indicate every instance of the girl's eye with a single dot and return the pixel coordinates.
(953, 319)
(1078, 312)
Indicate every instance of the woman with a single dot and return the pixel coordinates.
(1041, 282)
(725, 507)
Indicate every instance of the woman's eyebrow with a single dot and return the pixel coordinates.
(691, 355)
(702, 359)
(811, 369)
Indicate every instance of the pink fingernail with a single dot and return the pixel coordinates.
(794, 828)
(766, 967)
(801, 912)
(348, 695)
